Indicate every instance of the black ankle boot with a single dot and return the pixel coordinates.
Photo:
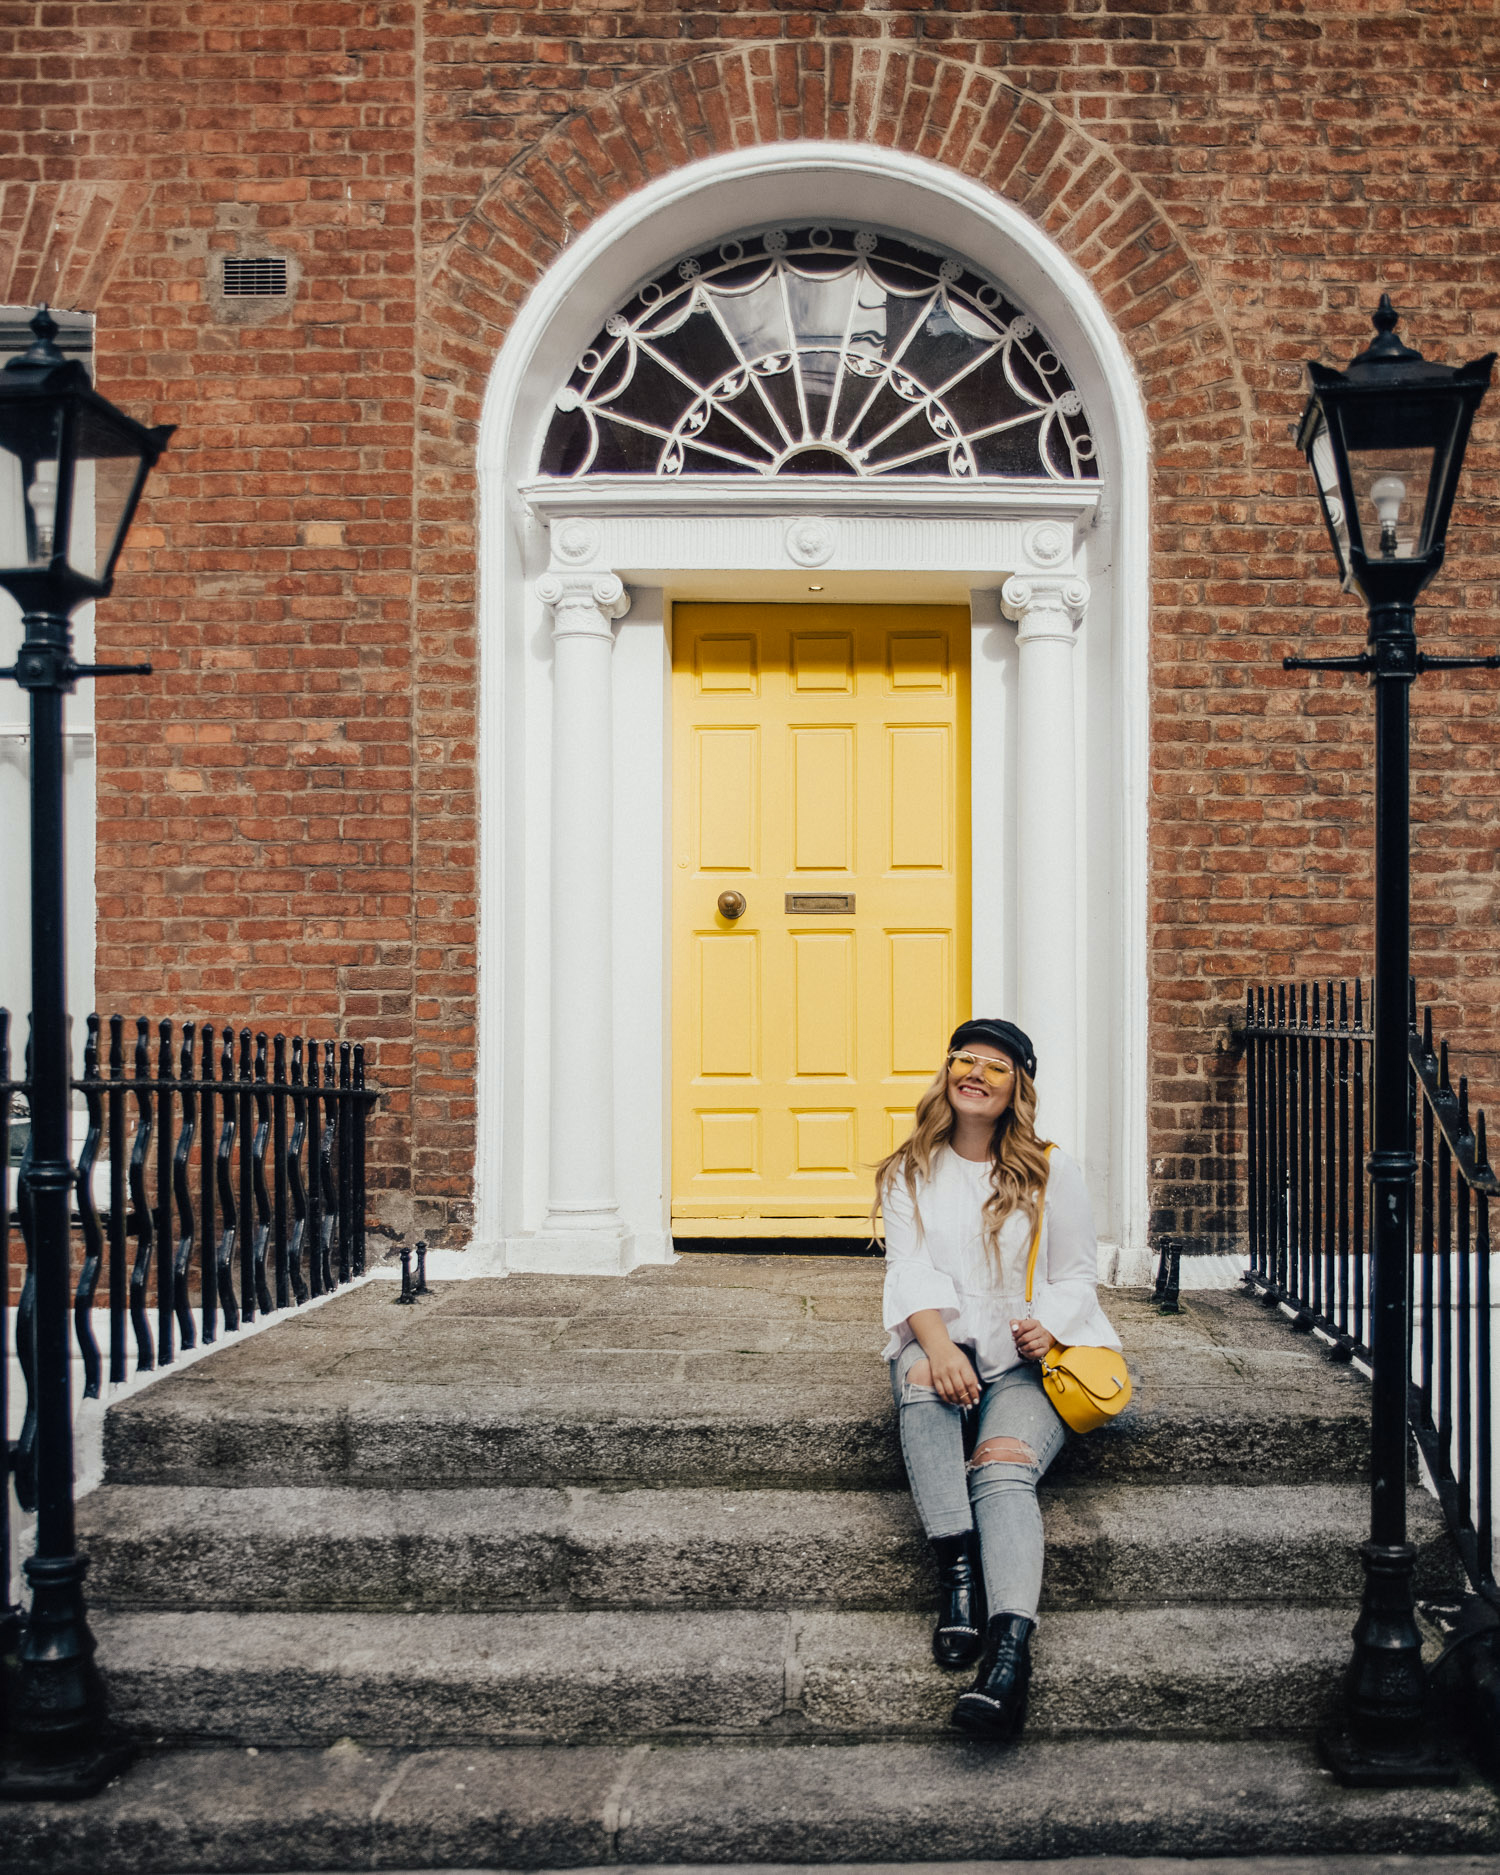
(995, 1705)
(960, 1622)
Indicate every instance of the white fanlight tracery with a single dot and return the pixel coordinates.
(820, 351)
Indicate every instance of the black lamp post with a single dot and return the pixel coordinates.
(1386, 442)
(71, 472)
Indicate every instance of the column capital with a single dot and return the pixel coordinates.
(584, 604)
(1045, 605)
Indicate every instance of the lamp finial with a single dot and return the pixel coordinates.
(42, 350)
(1385, 348)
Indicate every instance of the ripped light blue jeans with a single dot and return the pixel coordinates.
(953, 1495)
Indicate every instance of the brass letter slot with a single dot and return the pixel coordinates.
(804, 902)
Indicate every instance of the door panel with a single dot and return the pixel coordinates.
(726, 797)
(824, 970)
(820, 764)
(727, 1004)
(919, 804)
(919, 997)
(822, 810)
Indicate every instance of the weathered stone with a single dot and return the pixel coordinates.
(426, 1678)
(1221, 1392)
(671, 1508)
(347, 1547)
(221, 1812)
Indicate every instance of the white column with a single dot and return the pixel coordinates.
(583, 1229)
(1047, 609)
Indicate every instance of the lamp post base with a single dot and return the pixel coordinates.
(1364, 1767)
(1386, 1736)
(27, 1779)
(60, 1742)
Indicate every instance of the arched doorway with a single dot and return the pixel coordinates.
(601, 515)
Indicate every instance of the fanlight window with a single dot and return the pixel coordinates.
(820, 351)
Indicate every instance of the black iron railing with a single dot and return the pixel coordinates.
(232, 1167)
(1307, 1093)
(1308, 1090)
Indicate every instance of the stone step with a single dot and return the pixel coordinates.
(217, 1812)
(713, 1372)
(346, 1547)
(283, 1679)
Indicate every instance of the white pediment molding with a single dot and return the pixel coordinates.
(645, 527)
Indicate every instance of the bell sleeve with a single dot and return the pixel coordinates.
(1067, 1302)
(911, 1281)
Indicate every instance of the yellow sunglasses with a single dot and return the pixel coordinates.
(993, 1073)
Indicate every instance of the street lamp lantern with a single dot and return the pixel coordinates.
(1385, 440)
(71, 472)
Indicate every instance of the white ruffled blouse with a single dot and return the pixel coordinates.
(944, 1265)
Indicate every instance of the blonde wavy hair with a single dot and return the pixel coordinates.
(1018, 1159)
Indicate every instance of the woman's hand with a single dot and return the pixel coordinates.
(950, 1373)
(953, 1376)
(1031, 1339)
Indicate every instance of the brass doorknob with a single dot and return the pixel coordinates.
(731, 904)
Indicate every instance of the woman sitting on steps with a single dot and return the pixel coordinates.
(960, 1200)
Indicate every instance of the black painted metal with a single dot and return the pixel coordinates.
(58, 1738)
(1166, 1296)
(1307, 1256)
(204, 1125)
(1392, 409)
(1446, 1366)
(1452, 1380)
(10, 1610)
(174, 1124)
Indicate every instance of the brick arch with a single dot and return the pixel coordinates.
(1073, 187)
(60, 242)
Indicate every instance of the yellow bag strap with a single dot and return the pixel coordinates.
(1036, 1235)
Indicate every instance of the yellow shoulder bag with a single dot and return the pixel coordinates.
(1086, 1385)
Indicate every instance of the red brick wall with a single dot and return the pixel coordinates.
(1238, 179)
(255, 795)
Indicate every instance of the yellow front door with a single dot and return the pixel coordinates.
(820, 758)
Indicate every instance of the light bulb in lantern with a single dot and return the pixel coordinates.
(42, 495)
(1387, 496)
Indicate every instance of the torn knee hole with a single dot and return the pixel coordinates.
(919, 1374)
(1002, 1452)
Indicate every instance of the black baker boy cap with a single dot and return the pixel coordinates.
(999, 1034)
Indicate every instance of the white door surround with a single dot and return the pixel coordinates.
(573, 1060)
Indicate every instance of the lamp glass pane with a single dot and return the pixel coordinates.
(1391, 492)
(29, 451)
(1326, 470)
(109, 462)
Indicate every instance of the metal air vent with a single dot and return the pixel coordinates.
(254, 277)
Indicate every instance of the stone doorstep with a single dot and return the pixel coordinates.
(218, 1812)
(1067, 1865)
(349, 1547)
(603, 1426)
(278, 1679)
(711, 1372)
